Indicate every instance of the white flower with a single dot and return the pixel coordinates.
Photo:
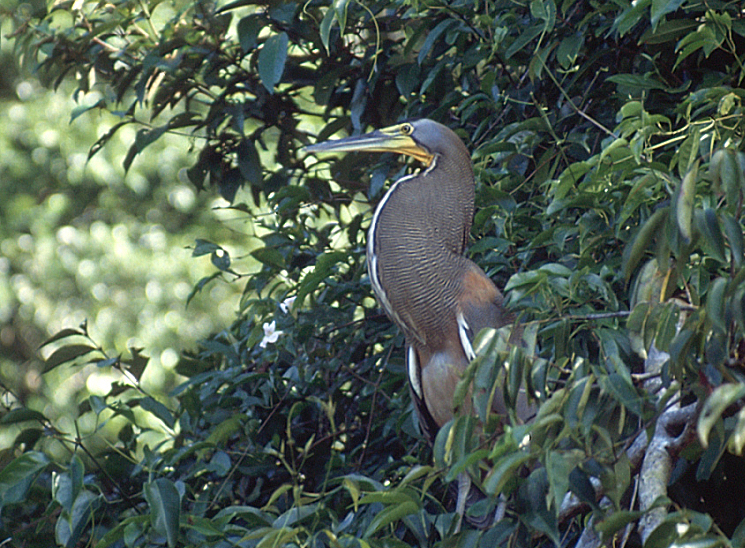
(286, 305)
(271, 334)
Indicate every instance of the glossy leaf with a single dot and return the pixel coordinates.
(66, 354)
(16, 478)
(272, 58)
(684, 203)
(165, 504)
(722, 397)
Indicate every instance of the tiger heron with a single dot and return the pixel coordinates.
(415, 258)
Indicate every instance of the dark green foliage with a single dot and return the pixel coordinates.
(607, 143)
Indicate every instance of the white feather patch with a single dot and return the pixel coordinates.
(414, 373)
(465, 341)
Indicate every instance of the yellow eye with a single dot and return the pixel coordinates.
(407, 129)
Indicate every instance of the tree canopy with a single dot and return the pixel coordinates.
(607, 145)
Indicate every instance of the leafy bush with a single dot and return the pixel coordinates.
(607, 143)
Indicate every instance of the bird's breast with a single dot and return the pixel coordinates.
(415, 246)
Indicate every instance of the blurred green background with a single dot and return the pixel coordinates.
(83, 241)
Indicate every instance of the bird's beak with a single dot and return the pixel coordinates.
(390, 139)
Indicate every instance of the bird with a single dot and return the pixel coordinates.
(416, 263)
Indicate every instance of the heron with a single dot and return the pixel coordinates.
(416, 261)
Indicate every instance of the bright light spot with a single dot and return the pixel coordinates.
(153, 291)
(169, 358)
(57, 202)
(99, 231)
(120, 232)
(182, 198)
(173, 320)
(24, 90)
(155, 238)
(26, 242)
(33, 379)
(99, 384)
(17, 113)
(100, 291)
(108, 317)
(49, 138)
(181, 290)
(86, 268)
(137, 182)
(67, 235)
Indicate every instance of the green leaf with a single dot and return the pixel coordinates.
(147, 136)
(273, 538)
(295, 515)
(558, 466)
(70, 526)
(270, 256)
(248, 31)
(527, 36)
(116, 535)
(640, 245)
(62, 334)
(660, 8)
(725, 173)
(624, 392)
(734, 238)
(715, 305)
(568, 49)
(433, 35)
(68, 485)
(668, 31)
(544, 10)
(504, 470)
(17, 477)
(693, 42)
(667, 326)
(720, 399)
(200, 285)
(391, 514)
(22, 414)
(614, 522)
(82, 109)
(203, 247)
(157, 409)
(736, 441)
(249, 163)
(684, 203)
(637, 81)
(688, 151)
(324, 264)
(67, 354)
(325, 27)
(629, 17)
(221, 259)
(580, 485)
(708, 224)
(165, 507)
(272, 58)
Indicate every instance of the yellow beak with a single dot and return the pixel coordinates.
(391, 139)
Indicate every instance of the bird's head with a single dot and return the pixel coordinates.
(422, 139)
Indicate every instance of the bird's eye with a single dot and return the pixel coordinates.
(407, 129)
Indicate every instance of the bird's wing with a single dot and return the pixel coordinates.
(479, 303)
